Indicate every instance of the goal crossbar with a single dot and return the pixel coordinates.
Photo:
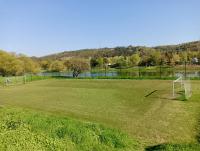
(179, 80)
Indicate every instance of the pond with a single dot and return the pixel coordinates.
(134, 74)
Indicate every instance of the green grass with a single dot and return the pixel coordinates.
(23, 130)
(120, 104)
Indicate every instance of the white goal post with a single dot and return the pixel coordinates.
(185, 86)
(179, 80)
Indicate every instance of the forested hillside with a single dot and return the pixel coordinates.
(123, 51)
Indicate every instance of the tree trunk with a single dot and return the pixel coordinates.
(75, 74)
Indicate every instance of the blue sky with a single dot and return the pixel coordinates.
(40, 27)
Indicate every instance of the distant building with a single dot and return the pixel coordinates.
(195, 60)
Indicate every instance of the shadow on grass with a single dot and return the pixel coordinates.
(178, 147)
(174, 147)
(156, 147)
(180, 96)
(198, 130)
(151, 93)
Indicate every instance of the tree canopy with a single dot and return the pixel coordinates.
(12, 64)
(77, 66)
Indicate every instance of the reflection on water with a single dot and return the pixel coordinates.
(135, 74)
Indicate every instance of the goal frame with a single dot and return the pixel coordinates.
(185, 86)
(179, 80)
(15, 80)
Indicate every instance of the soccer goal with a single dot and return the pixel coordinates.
(14, 80)
(182, 85)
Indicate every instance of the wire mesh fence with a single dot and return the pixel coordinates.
(151, 72)
(19, 80)
(139, 72)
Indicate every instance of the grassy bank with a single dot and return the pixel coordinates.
(28, 130)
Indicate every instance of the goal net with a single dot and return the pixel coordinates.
(182, 86)
(14, 80)
(187, 89)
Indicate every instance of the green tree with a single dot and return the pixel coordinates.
(77, 66)
(156, 57)
(176, 58)
(29, 66)
(135, 59)
(198, 57)
(121, 62)
(57, 66)
(9, 64)
(183, 56)
(45, 64)
(93, 62)
(100, 62)
(145, 54)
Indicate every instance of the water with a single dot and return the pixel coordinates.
(135, 74)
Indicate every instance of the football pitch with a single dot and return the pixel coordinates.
(144, 109)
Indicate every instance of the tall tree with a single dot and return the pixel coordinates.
(77, 66)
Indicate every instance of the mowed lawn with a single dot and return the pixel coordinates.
(115, 103)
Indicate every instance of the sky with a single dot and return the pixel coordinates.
(41, 27)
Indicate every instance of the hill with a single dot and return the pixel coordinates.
(120, 51)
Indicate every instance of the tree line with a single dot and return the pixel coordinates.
(119, 57)
(124, 57)
(142, 57)
(12, 64)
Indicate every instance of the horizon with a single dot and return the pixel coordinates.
(99, 48)
(115, 47)
(38, 28)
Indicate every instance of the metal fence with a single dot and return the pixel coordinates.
(159, 72)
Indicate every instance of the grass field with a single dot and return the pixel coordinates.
(22, 130)
(118, 104)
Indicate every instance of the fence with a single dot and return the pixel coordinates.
(18, 80)
(152, 72)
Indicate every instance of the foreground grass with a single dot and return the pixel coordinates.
(120, 104)
(28, 130)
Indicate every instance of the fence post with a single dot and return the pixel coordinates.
(24, 79)
(185, 70)
(160, 71)
(139, 71)
(132, 73)
(105, 70)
